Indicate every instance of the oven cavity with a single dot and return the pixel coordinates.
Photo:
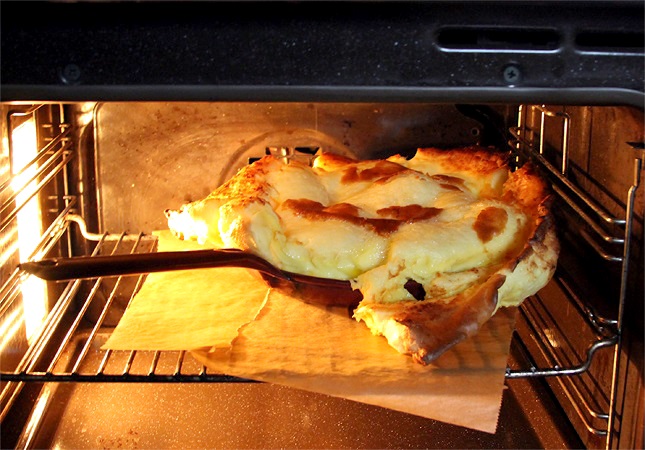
(93, 178)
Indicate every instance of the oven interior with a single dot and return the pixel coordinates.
(90, 178)
(142, 106)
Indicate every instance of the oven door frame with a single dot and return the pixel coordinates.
(436, 51)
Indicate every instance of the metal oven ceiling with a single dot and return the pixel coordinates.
(340, 51)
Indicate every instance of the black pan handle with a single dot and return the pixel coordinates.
(55, 269)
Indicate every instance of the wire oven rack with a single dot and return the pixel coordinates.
(609, 235)
(68, 344)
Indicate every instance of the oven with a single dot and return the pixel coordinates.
(114, 111)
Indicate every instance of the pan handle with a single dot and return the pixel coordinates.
(55, 269)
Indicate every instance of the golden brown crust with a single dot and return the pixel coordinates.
(249, 183)
(527, 189)
(475, 159)
(426, 329)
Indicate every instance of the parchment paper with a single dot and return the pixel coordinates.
(278, 339)
(188, 309)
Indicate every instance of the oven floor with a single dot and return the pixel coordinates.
(257, 415)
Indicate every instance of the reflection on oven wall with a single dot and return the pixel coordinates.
(155, 156)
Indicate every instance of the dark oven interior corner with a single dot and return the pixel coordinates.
(92, 156)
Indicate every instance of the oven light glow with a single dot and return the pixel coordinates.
(9, 245)
(10, 326)
(4, 170)
(34, 290)
(552, 338)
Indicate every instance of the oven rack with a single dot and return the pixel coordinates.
(81, 365)
(608, 234)
(606, 329)
(51, 158)
(68, 347)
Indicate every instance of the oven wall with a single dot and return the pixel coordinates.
(605, 162)
(154, 156)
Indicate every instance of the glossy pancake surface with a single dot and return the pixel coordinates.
(446, 227)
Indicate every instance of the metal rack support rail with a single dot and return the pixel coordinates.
(523, 141)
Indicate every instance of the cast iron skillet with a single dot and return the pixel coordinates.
(324, 291)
